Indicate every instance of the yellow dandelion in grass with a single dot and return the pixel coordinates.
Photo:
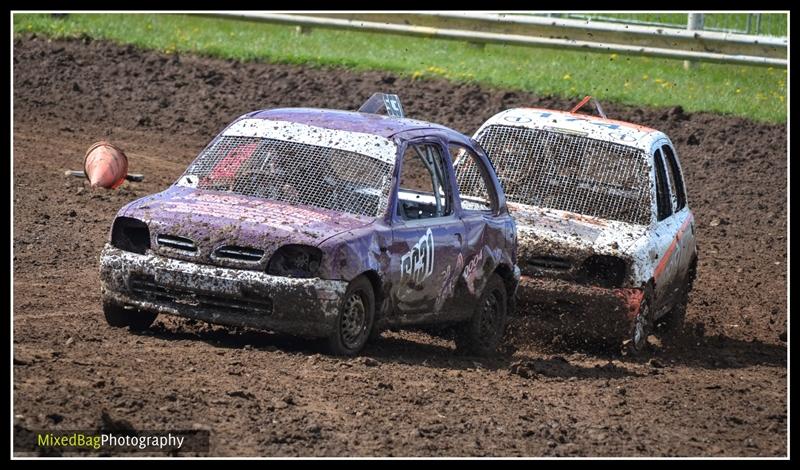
(781, 98)
(645, 77)
(627, 84)
(658, 80)
(567, 77)
(738, 90)
(417, 74)
(613, 56)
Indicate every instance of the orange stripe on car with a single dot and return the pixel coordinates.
(665, 260)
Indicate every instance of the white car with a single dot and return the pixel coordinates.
(602, 216)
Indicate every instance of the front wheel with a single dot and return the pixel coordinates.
(673, 322)
(482, 334)
(355, 320)
(642, 326)
(119, 317)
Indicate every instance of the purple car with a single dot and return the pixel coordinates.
(322, 223)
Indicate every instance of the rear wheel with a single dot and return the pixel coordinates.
(119, 316)
(355, 320)
(482, 334)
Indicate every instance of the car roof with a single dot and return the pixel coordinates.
(376, 124)
(618, 132)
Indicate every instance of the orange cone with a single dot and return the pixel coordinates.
(105, 165)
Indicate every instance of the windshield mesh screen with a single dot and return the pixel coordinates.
(296, 173)
(569, 172)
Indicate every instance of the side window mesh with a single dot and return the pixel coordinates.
(662, 188)
(679, 192)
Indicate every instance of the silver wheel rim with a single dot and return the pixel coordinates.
(354, 321)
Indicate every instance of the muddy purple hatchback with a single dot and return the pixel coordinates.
(322, 223)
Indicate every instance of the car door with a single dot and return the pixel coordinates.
(479, 205)
(685, 245)
(427, 235)
(663, 230)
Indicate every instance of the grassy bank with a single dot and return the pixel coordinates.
(754, 92)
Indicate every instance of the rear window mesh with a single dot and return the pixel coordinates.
(569, 172)
(295, 173)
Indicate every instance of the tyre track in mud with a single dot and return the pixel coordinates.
(720, 390)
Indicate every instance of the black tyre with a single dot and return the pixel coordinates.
(482, 334)
(120, 317)
(636, 342)
(672, 322)
(355, 320)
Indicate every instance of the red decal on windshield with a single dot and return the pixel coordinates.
(228, 166)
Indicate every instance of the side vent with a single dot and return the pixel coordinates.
(238, 253)
(176, 243)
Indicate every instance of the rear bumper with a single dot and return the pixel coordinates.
(590, 310)
(304, 307)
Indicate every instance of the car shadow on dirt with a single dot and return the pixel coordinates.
(542, 357)
(688, 347)
(408, 347)
(722, 352)
(175, 329)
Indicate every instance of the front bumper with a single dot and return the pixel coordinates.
(234, 297)
(586, 310)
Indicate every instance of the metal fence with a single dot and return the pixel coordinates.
(691, 41)
(759, 24)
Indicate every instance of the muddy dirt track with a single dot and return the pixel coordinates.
(718, 391)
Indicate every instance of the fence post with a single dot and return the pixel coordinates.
(694, 23)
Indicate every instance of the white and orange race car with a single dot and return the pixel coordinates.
(602, 216)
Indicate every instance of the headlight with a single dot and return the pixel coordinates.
(295, 261)
(604, 271)
(130, 235)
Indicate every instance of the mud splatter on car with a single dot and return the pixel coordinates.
(320, 223)
(604, 223)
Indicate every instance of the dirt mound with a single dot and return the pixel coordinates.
(721, 391)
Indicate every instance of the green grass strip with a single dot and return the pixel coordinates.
(758, 93)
